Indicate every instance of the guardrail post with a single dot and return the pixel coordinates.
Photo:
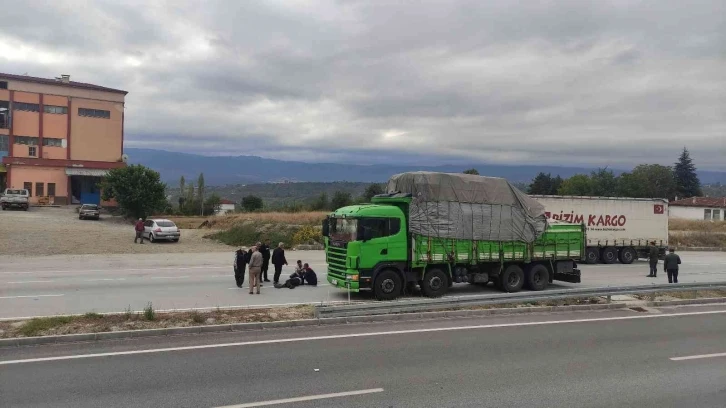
(610, 299)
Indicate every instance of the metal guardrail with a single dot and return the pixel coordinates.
(422, 305)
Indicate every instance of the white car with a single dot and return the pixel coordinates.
(161, 229)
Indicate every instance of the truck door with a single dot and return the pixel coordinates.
(374, 241)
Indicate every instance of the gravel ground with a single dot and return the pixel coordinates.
(58, 231)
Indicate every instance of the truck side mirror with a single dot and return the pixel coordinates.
(326, 228)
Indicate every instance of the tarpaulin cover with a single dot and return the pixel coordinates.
(464, 206)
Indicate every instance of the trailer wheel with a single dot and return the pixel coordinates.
(592, 255)
(387, 285)
(435, 283)
(628, 255)
(538, 277)
(512, 279)
(610, 255)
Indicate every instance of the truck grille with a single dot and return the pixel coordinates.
(336, 262)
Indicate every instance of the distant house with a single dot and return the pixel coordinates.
(699, 208)
(226, 206)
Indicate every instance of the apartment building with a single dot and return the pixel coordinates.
(58, 138)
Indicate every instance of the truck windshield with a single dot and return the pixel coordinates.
(343, 229)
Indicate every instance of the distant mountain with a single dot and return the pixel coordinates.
(230, 170)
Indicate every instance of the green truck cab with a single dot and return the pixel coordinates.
(370, 247)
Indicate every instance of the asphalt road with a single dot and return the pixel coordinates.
(111, 283)
(588, 359)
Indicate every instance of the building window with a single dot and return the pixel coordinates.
(94, 113)
(60, 110)
(26, 140)
(4, 143)
(3, 84)
(32, 151)
(30, 107)
(28, 186)
(39, 189)
(51, 189)
(52, 142)
(716, 215)
(707, 214)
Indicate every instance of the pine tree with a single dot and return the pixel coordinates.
(684, 173)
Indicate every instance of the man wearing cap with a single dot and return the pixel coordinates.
(653, 257)
(139, 228)
(671, 265)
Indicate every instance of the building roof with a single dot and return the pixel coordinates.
(711, 202)
(225, 201)
(71, 84)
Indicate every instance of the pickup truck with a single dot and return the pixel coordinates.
(13, 197)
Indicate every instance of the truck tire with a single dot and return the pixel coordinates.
(435, 283)
(628, 255)
(388, 285)
(512, 279)
(592, 255)
(609, 255)
(537, 277)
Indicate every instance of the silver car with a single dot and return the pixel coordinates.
(89, 211)
(161, 230)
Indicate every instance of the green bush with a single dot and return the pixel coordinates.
(36, 326)
(149, 313)
(245, 235)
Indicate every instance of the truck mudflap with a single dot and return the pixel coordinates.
(572, 277)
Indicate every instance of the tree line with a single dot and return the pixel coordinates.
(323, 202)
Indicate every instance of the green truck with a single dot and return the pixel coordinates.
(432, 230)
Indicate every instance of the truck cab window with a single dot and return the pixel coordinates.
(377, 226)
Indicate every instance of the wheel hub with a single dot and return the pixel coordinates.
(435, 283)
(388, 285)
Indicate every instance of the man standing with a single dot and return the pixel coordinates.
(653, 257)
(255, 269)
(265, 249)
(139, 227)
(671, 266)
(278, 259)
(240, 264)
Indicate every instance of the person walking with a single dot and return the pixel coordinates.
(255, 269)
(278, 260)
(265, 250)
(671, 265)
(653, 258)
(139, 228)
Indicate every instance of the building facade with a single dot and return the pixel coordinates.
(699, 208)
(58, 138)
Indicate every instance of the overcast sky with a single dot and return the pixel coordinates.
(568, 83)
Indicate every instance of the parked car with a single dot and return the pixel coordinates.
(15, 197)
(89, 211)
(160, 229)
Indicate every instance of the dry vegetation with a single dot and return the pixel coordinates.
(696, 225)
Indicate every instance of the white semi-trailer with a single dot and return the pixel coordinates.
(618, 229)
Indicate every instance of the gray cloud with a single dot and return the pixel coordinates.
(574, 83)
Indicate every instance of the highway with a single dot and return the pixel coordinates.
(75, 284)
(669, 357)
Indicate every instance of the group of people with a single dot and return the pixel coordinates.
(670, 263)
(258, 258)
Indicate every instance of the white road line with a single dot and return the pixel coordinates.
(98, 280)
(29, 296)
(353, 335)
(168, 277)
(39, 281)
(698, 357)
(117, 270)
(308, 398)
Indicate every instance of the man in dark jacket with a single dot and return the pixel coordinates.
(139, 228)
(265, 251)
(240, 264)
(278, 260)
(309, 276)
(653, 257)
(671, 266)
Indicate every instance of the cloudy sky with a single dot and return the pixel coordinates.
(555, 82)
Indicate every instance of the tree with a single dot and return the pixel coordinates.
(212, 204)
(200, 190)
(577, 185)
(182, 182)
(340, 199)
(138, 190)
(603, 183)
(472, 171)
(321, 203)
(687, 182)
(372, 191)
(648, 181)
(544, 184)
(251, 203)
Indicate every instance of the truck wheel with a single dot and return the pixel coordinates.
(538, 277)
(435, 283)
(387, 286)
(609, 255)
(512, 279)
(592, 255)
(628, 255)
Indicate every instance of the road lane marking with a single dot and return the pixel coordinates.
(167, 277)
(697, 357)
(353, 335)
(117, 270)
(302, 399)
(29, 296)
(108, 279)
(39, 281)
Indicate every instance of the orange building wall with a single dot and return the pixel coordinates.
(52, 152)
(26, 97)
(26, 123)
(4, 95)
(55, 125)
(57, 175)
(96, 139)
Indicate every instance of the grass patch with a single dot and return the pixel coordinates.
(35, 327)
(149, 313)
(93, 315)
(197, 317)
(249, 234)
(696, 225)
(697, 239)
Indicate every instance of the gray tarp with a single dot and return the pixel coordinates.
(464, 206)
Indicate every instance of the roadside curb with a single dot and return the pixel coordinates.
(681, 302)
(237, 327)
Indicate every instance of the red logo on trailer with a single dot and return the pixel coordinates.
(658, 209)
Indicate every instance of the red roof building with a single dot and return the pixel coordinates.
(699, 208)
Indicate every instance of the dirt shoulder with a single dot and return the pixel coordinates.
(58, 231)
